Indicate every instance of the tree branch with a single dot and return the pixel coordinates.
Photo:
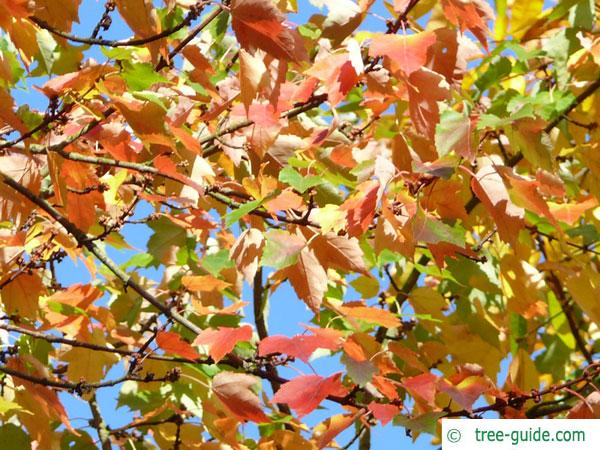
(134, 42)
(84, 241)
(99, 423)
(82, 387)
(557, 288)
(574, 104)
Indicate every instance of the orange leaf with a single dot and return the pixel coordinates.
(333, 426)
(203, 283)
(246, 252)
(308, 278)
(338, 74)
(75, 81)
(570, 213)
(383, 413)
(172, 343)
(425, 89)
(360, 208)
(422, 387)
(141, 17)
(406, 54)
(490, 189)
(370, 314)
(46, 397)
(472, 15)
(233, 389)
(284, 201)
(222, 340)
(339, 252)
(588, 409)
(259, 24)
(299, 346)
(467, 391)
(306, 392)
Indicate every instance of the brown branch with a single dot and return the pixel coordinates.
(197, 30)
(234, 362)
(145, 423)
(567, 308)
(81, 386)
(574, 104)
(259, 305)
(583, 248)
(99, 423)
(105, 21)
(134, 42)
(84, 241)
(517, 401)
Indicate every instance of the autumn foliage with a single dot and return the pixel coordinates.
(421, 176)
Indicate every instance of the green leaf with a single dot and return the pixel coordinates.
(452, 132)
(583, 15)
(424, 423)
(13, 437)
(140, 77)
(299, 182)
(240, 212)
(166, 240)
(281, 249)
(67, 310)
(432, 230)
(139, 260)
(47, 46)
(215, 262)
(497, 70)
(559, 321)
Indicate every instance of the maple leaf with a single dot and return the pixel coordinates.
(75, 81)
(570, 213)
(171, 342)
(142, 18)
(472, 15)
(360, 208)
(300, 346)
(21, 296)
(490, 189)
(422, 387)
(234, 390)
(253, 75)
(246, 252)
(406, 54)
(308, 278)
(383, 412)
(305, 393)
(338, 251)
(588, 408)
(42, 395)
(339, 73)
(86, 364)
(259, 24)
(203, 283)
(222, 340)
(467, 390)
(425, 89)
(326, 431)
(371, 315)
(59, 14)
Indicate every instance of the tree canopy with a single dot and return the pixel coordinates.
(423, 176)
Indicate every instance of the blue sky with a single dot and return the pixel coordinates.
(286, 314)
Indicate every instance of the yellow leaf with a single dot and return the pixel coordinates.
(524, 14)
